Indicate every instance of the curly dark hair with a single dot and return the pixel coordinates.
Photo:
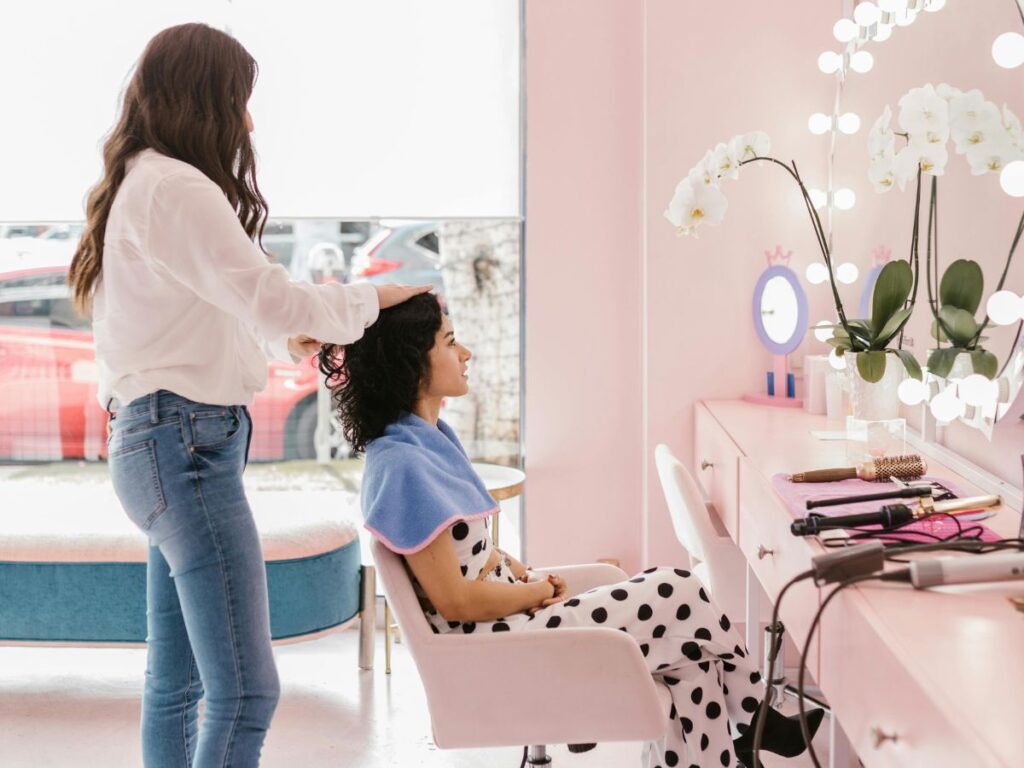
(377, 378)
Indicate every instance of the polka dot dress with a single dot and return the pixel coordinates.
(689, 646)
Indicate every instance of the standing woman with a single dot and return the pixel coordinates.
(185, 308)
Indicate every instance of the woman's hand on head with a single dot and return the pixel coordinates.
(304, 346)
(390, 295)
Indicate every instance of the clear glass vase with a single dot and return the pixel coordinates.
(874, 427)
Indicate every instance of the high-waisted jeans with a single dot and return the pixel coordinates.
(176, 466)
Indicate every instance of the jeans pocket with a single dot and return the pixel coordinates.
(136, 480)
(214, 428)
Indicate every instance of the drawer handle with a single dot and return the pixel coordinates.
(881, 737)
(705, 464)
(763, 551)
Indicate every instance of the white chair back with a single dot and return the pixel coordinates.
(691, 518)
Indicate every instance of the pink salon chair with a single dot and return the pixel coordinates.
(564, 686)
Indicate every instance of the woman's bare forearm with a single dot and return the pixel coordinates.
(488, 600)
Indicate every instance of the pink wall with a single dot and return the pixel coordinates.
(583, 314)
(623, 98)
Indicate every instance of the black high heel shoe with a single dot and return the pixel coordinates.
(782, 735)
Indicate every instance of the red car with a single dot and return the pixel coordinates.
(48, 380)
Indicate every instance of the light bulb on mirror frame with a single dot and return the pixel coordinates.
(818, 197)
(830, 62)
(866, 13)
(912, 392)
(1011, 178)
(823, 330)
(882, 33)
(816, 274)
(861, 62)
(844, 30)
(836, 361)
(1008, 50)
(978, 390)
(849, 123)
(847, 273)
(1005, 308)
(946, 407)
(904, 17)
(819, 123)
(845, 198)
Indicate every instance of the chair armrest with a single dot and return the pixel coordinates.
(580, 578)
(571, 685)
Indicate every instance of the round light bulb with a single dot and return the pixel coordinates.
(845, 199)
(1005, 307)
(837, 362)
(819, 123)
(935, 5)
(904, 17)
(830, 62)
(978, 391)
(817, 273)
(849, 123)
(847, 273)
(823, 330)
(1008, 50)
(862, 62)
(1011, 178)
(818, 198)
(912, 391)
(882, 33)
(844, 30)
(866, 13)
(946, 407)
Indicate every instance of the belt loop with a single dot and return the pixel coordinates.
(154, 408)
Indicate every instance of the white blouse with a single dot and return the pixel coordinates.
(188, 303)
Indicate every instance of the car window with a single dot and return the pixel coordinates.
(39, 301)
(429, 241)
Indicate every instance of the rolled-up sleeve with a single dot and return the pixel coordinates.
(195, 235)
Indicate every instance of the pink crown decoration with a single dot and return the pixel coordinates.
(881, 256)
(777, 257)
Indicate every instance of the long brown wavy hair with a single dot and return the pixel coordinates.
(186, 99)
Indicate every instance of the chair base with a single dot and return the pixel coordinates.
(536, 755)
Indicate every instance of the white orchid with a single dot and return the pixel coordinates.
(992, 156)
(747, 146)
(881, 139)
(882, 169)
(973, 120)
(1011, 124)
(924, 115)
(726, 163)
(704, 172)
(931, 158)
(693, 205)
(947, 92)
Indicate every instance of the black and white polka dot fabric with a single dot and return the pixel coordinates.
(689, 646)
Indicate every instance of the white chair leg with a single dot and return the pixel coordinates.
(841, 754)
(753, 617)
(367, 616)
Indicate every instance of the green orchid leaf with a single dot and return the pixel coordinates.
(985, 363)
(839, 343)
(937, 333)
(909, 362)
(940, 361)
(891, 291)
(871, 365)
(891, 328)
(959, 323)
(962, 286)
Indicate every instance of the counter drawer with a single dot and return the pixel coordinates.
(717, 458)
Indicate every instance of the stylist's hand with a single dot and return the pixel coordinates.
(390, 295)
(303, 346)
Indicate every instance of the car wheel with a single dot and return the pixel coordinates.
(300, 443)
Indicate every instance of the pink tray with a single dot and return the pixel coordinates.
(795, 496)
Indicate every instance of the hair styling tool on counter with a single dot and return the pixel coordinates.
(882, 468)
(910, 492)
(891, 515)
(961, 570)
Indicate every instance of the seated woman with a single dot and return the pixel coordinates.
(423, 500)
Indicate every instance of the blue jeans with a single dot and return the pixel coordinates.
(176, 466)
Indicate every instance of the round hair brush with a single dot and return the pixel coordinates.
(884, 468)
